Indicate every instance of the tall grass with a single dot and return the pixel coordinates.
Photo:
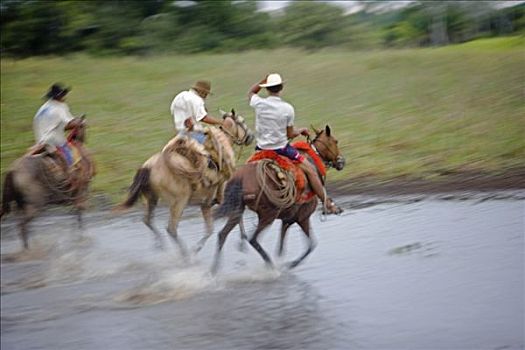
(419, 113)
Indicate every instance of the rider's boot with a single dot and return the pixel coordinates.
(329, 207)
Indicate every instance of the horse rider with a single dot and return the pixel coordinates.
(188, 111)
(51, 121)
(274, 126)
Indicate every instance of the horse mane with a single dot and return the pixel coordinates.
(303, 146)
(224, 141)
(223, 149)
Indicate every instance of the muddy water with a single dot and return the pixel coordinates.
(440, 272)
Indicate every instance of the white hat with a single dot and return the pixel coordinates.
(273, 79)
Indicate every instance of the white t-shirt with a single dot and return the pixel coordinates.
(50, 121)
(187, 104)
(272, 117)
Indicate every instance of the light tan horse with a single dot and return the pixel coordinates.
(182, 174)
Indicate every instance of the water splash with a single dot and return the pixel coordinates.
(171, 285)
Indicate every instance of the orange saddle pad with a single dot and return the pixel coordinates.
(289, 165)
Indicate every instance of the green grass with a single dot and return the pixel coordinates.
(415, 113)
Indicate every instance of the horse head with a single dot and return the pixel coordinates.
(235, 127)
(78, 133)
(326, 145)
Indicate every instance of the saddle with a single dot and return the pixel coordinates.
(187, 157)
(284, 168)
(42, 150)
(62, 178)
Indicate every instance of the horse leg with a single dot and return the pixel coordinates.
(80, 221)
(263, 223)
(305, 225)
(219, 195)
(28, 215)
(244, 237)
(230, 224)
(80, 205)
(151, 204)
(206, 213)
(284, 228)
(175, 214)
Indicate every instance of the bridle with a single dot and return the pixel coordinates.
(78, 133)
(335, 159)
(239, 123)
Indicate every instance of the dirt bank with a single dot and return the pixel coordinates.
(511, 179)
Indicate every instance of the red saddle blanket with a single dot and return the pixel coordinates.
(287, 164)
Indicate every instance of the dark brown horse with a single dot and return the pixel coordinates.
(38, 179)
(245, 190)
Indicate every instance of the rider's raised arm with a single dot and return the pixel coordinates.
(254, 90)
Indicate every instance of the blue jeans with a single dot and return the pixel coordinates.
(288, 151)
(198, 136)
(66, 151)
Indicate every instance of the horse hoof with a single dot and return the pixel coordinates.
(242, 247)
(270, 265)
(292, 265)
(159, 246)
(335, 210)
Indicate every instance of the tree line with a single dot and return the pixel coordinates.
(109, 27)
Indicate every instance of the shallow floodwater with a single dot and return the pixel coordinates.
(438, 272)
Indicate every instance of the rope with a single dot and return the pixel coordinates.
(240, 152)
(62, 188)
(322, 215)
(279, 195)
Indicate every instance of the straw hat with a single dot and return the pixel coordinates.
(202, 86)
(273, 79)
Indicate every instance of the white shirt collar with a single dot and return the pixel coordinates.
(195, 93)
(56, 102)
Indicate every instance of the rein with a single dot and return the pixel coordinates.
(234, 138)
(73, 134)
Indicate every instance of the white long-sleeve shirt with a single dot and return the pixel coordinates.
(50, 122)
(272, 117)
(187, 104)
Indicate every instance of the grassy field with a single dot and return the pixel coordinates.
(415, 113)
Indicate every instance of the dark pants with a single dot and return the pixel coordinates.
(288, 151)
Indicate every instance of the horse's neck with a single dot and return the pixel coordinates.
(315, 156)
(228, 135)
(77, 136)
(224, 138)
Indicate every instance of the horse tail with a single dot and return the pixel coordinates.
(139, 186)
(10, 193)
(233, 202)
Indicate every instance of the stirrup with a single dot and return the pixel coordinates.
(331, 208)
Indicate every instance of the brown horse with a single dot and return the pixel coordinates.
(245, 190)
(175, 179)
(37, 179)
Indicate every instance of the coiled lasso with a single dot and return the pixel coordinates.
(282, 196)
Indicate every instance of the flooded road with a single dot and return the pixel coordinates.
(435, 272)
